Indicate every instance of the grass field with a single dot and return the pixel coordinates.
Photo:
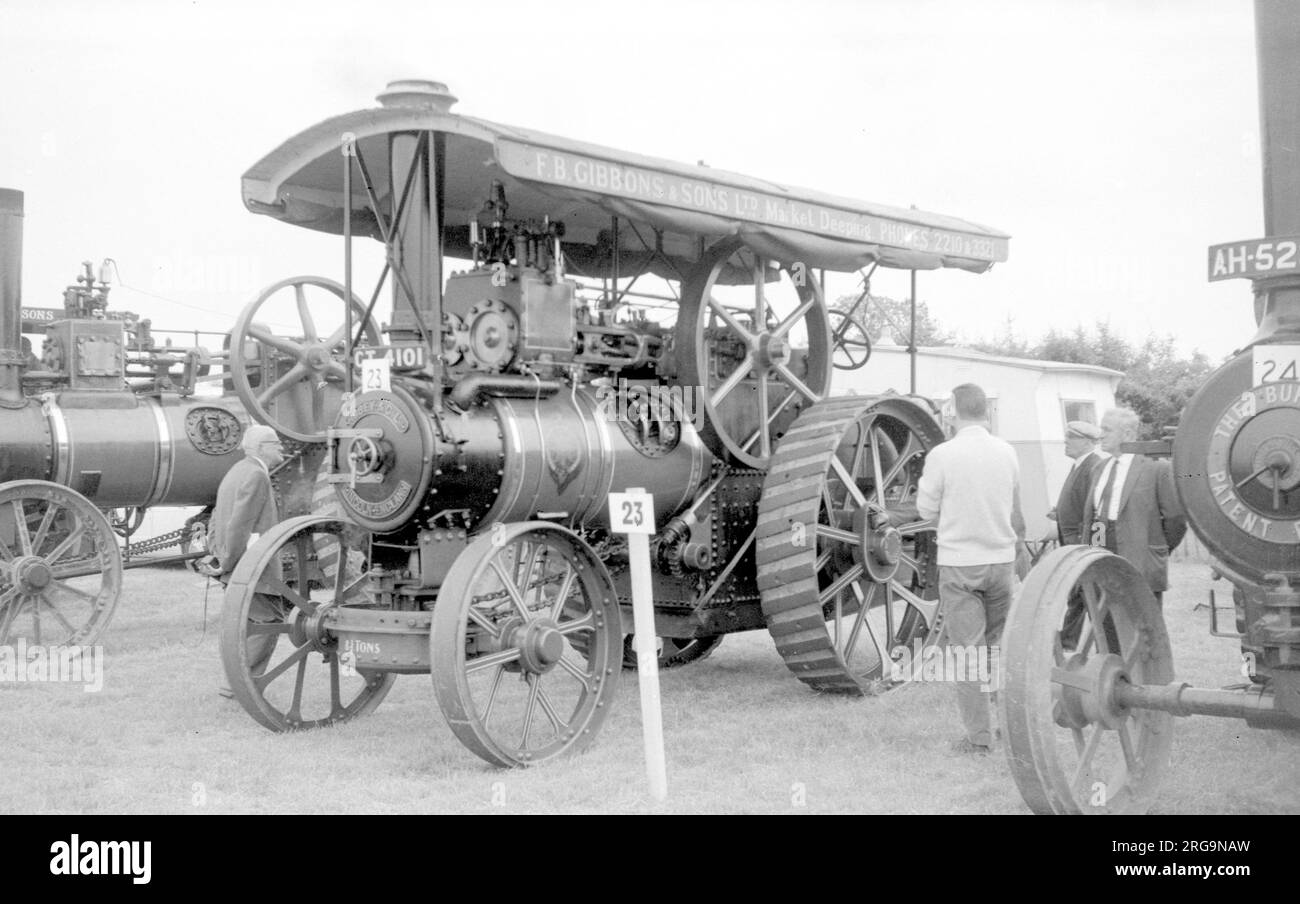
(743, 736)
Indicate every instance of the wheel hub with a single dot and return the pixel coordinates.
(1277, 457)
(539, 642)
(1085, 691)
(32, 574)
(772, 350)
(880, 549)
(317, 357)
(311, 628)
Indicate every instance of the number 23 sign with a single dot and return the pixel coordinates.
(632, 512)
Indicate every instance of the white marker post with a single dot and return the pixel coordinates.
(633, 513)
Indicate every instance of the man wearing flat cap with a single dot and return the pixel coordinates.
(1080, 445)
(246, 507)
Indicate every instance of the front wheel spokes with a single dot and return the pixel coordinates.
(299, 654)
(275, 623)
(492, 660)
(566, 609)
(54, 610)
(511, 590)
(11, 604)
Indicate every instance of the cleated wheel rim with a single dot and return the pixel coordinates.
(846, 568)
(514, 685)
(674, 652)
(60, 567)
(301, 396)
(281, 662)
(757, 360)
(1072, 748)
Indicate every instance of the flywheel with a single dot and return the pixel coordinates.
(846, 568)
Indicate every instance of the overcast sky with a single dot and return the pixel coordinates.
(1114, 141)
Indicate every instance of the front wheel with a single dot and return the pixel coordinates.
(526, 644)
(282, 664)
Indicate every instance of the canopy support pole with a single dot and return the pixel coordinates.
(911, 336)
(349, 144)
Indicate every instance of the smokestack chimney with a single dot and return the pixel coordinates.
(11, 297)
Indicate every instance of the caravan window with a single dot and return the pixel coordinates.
(1078, 410)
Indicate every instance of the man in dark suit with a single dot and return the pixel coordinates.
(1080, 445)
(1131, 508)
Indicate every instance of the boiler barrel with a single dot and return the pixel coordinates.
(509, 460)
(118, 449)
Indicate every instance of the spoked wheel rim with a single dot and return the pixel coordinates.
(756, 365)
(60, 567)
(1072, 749)
(314, 372)
(513, 685)
(846, 568)
(281, 661)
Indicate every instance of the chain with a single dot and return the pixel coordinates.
(160, 542)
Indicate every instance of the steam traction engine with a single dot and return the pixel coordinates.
(471, 470)
(1090, 729)
(98, 419)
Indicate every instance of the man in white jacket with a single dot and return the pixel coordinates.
(970, 487)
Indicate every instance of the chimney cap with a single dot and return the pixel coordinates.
(417, 93)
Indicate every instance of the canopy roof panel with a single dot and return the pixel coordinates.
(585, 185)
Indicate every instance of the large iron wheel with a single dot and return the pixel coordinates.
(282, 663)
(846, 568)
(756, 362)
(515, 687)
(286, 355)
(60, 567)
(1072, 747)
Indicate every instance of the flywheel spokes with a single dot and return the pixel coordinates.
(757, 356)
